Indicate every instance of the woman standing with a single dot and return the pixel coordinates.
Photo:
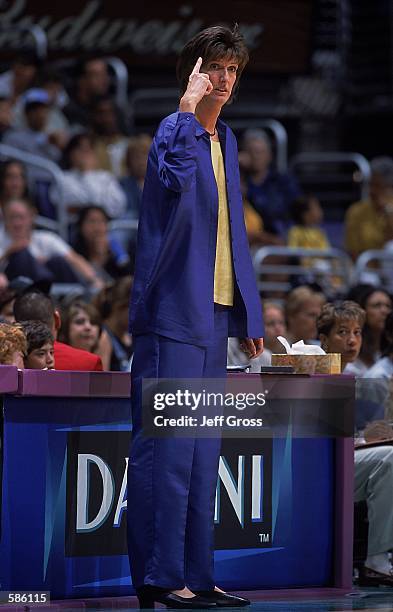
(194, 285)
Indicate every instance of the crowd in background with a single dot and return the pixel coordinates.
(77, 125)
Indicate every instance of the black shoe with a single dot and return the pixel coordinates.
(224, 600)
(148, 595)
(370, 577)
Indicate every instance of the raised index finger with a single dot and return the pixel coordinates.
(197, 66)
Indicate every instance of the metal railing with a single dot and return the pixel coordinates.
(121, 80)
(375, 267)
(61, 225)
(278, 131)
(331, 269)
(335, 157)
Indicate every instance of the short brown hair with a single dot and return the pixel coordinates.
(331, 313)
(216, 42)
(12, 339)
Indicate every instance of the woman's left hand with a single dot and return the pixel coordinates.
(253, 347)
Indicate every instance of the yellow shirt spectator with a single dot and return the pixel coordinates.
(365, 228)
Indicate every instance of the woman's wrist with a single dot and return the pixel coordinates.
(187, 105)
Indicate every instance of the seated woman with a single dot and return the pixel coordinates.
(13, 345)
(382, 370)
(115, 345)
(94, 243)
(377, 303)
(80, 326)
(39, 254)
(340, 331)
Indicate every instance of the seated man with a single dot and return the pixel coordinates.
(340, 331)
(40, 351)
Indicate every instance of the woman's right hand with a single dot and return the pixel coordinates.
(199, 85)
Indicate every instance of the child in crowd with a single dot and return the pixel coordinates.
(13, 345)
(40, 341)
(81, 326)
(306, 233)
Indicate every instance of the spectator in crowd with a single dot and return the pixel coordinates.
(274, 320)
(5, 117)
(84, 184)
(94, 243)
(92, 81)
(115, 346)
(382, 370)
(254, 222)
(40, 352)
(34, 138)
(340, 328)
(367, 223)
(21, 75)
(12, 345)
(13, 181)
(7, 299)
(81, 326)
(270, 192)
(136, 164)
(109, 141)
(48, 80)
(377, 303)
(307, 233)
(39, 254)
(302, 309)
(36, 306)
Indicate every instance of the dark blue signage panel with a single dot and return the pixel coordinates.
(65, 503)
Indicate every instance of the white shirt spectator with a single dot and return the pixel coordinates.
(356, 368)
(383, 368)
(98, 187)
(43, 244)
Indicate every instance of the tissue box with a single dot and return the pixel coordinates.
(310, 364)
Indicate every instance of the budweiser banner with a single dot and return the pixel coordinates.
(277, 32)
